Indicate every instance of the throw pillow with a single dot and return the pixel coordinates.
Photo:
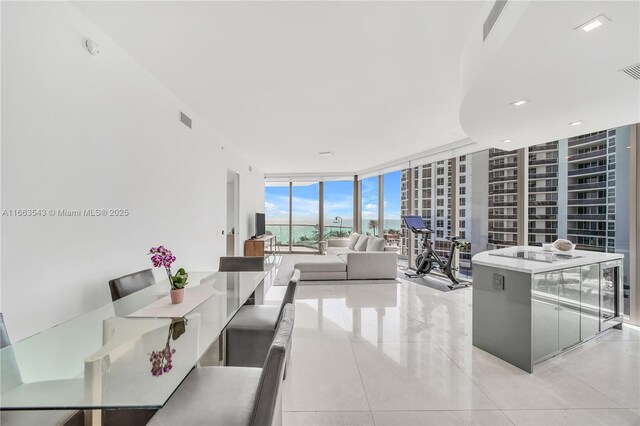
(376, 244)
(361, 245)
(353, 239)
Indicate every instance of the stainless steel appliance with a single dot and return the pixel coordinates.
(610, 294)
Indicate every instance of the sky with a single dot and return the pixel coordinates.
(338, 201)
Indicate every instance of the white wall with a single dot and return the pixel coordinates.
(99, 132)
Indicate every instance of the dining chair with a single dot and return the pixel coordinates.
(251, 330)
(124, 286)
(233, 395)
(241, 263)
(12, 379)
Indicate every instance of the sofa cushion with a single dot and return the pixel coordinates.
(361, 245)
(327, 263)
(338, 250)
(376, 244)
(353, 239)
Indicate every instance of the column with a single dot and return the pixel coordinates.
(381, 206)
(634, 224)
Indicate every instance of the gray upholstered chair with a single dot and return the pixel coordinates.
(12, 379)
(232, 395)
(241, 263)
(124, 286)
(251, 330)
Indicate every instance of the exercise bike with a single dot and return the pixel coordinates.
(429, 259)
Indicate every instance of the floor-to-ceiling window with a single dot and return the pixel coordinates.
(305, 224)
(503, 198)
(370, 200)
(338, 209)
(391, 214)
(276, 208)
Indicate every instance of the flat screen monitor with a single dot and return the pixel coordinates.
(414, 222)
(260, 227)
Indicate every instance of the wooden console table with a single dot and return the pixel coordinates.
(256, 247)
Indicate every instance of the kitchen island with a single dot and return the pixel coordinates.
(530, 304)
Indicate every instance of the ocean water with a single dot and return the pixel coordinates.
(309, 232)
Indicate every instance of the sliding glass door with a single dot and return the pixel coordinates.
(369, 200)
(305, 223)
(276, 208)
(338, 209)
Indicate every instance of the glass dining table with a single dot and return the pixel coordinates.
(105, 359)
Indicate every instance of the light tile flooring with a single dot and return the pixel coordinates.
(401, 354)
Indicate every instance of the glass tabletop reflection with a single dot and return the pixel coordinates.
(103, 359)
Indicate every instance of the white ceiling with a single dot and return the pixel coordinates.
(376, 82)
(568, 75)
(368, 81)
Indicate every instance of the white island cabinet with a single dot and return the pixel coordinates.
(530, 304)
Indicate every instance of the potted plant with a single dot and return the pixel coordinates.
(162, 257)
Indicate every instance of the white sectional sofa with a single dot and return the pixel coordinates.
(360, 257)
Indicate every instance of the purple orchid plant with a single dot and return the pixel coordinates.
(162, 257)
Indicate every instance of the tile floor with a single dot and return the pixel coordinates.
(401, 354)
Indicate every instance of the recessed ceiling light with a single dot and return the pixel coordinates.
(520, 102)
(325, 154)
(594, 23)
(575, 123)
(506, 141)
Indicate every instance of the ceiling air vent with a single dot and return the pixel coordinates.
(185, 119)
(494, 14)
(632, 71)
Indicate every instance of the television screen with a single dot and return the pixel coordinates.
(260, 229)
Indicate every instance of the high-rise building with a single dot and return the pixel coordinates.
(592, 191)
(543, 193)
(503, 198)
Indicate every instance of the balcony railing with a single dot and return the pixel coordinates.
(542, 217)
(304, 237)
(543, 175)
(597, 137)
(503, 191)
(552, 231)
(544, 147)
(583, 186)
(544, 189)
(587, 201)
(503, 165)
(503, 178)
(503, 203)
(497, 216)
(590, 154)
(595, 217)
(587, 171)
(540, 203)
(502, 229)
(590, 232)
(543, 161)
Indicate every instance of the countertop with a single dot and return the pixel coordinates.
(485, 258)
